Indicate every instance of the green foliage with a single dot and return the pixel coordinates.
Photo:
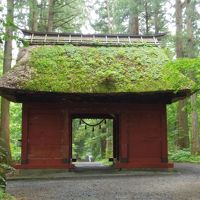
(15, 130)
(175, 154)
(103, 70)
(97, 142)
(1, 61)
(171, 125)
(68, 15)
(184, 156)
(121, 13)
(104, 23)
(189, 67)
(4, 167)
(5, 196)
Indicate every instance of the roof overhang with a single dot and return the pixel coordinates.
(22, 96)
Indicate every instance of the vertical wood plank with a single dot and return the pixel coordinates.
(67, 137)
(24, 153)
(116, 142)
(124, 138)
(164, 149)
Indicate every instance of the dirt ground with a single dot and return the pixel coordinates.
(183, 184)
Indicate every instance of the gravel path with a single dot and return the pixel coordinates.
(183, 185)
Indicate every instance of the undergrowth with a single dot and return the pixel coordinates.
(6, 196)
(184, 156)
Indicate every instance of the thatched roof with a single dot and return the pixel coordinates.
(100, 70)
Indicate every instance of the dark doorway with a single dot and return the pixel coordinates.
(94, 141)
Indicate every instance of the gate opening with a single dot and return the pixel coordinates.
(93, 141)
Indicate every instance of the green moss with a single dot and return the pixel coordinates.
(76, 69)
(189, 67)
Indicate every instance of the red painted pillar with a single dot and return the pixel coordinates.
(164, 149)
(123, 142)
(68, 140)
(24, 153)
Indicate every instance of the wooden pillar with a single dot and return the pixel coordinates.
(164, 148)
(116, 138)
(24, 153)
(67, 139)
(123, 139)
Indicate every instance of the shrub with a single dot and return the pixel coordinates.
(184, 156)
(5, 196)
(4, 168)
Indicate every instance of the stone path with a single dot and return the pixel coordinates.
(184, 184)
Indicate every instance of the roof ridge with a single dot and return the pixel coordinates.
(35, 38)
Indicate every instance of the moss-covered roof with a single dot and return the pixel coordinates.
(76, 69)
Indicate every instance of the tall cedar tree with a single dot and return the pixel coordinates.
(134, 12)
(64, 16)
(190, 52)
(5, 105)
(182, 140)
(33, 16)
(51, 15)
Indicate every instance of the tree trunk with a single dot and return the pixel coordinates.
(179, 27)
(134, 25)
(50, 15)
(182, 117)
(33, 23)
(146, 17)
(156, 20)
(190, 50)
(5, 131)
(195, 140)
(182, 140)
(134, 10)
(42, 18)
(195, 143)
(110, 29)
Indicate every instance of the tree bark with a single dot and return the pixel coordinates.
(5, 131)
(50, 15)
(110, 28)
(195, 143)
(179, 27)
(134, 25)
(146, 17)
(195, 140)
(33, 21)
(182, 140)
(190, 50)
(134, 10)
(156, 19)
(42, 18)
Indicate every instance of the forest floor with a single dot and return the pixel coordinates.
(183, 183)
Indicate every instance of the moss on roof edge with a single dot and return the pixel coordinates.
(72, 69)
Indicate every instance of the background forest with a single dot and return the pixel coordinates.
(180, 19)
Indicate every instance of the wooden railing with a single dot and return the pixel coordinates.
(38, 38)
